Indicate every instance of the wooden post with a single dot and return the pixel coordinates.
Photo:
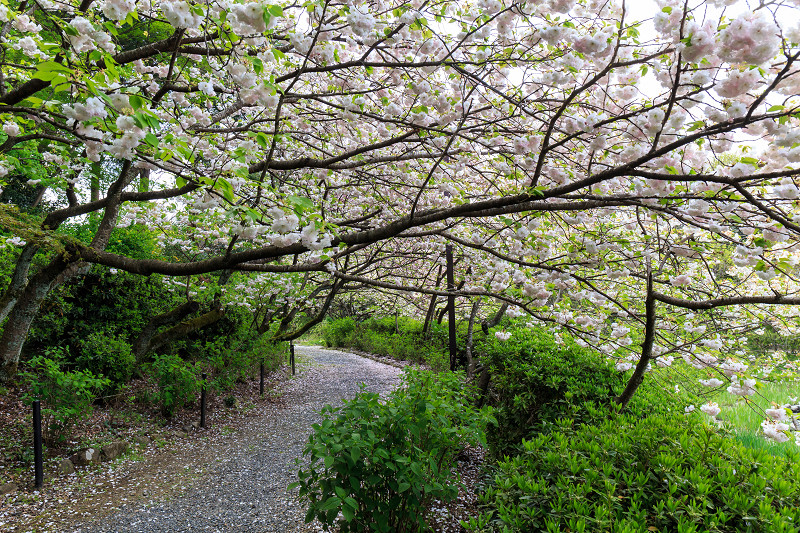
(291, 356)
(451, 305)
(37, 445)
(203, 402)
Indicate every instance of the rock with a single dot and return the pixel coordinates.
(187, 428)
(113, 450)
(196, 424)
(142, 440)
(7, 488)
(178, 434)
(66, 467)
(85, 457)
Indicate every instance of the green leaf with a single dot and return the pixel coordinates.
(226, 188)
(330, 503)
(52, 66)
(775, 108)
(136, 101)
(140, 120)
(348, 513)
(276, 11)
(151, 139)
(301, 202)
(69, 30)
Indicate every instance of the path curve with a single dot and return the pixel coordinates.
(246, 491)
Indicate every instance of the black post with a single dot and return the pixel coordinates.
(37, 444)
(451, 305)
(203, 402)
(261, 383)
(291, 356)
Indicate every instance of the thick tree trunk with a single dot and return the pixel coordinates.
(184, 328)
(18, 279)
(165, 319)
(144, 180)
(39, 196)
(94, 188)
(483, 387)
(59, 270)
(22, 314)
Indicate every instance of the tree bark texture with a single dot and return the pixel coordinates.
(470, 327)
(60, 269)
(173, 316)
(647, 346)
(184, 328)
(498, 316)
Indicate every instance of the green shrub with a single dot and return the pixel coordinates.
(66, 395)
(536, 380)
(627, 473)
(110, 356)
(228, 364)
(379, 463)
(233, 358)
(273, 354)
(336, 333)
(177, 382)
(405, 342)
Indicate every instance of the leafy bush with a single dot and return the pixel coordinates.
(66, 395)
(381, 337)
(177, 382)
(537, 380)
(379, 463)
(336, 333)
(116, 304)
(627, 473)
(109, 356)
(229, 364)
(272, 353)
(232, 358)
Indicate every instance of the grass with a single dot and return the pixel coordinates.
(312, 337)
(744, 415)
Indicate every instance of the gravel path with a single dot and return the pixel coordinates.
(246, 490)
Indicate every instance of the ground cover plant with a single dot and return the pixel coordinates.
(402, 339)
(667, 471)
(378, 463)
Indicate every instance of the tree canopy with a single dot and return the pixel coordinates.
(632, 181)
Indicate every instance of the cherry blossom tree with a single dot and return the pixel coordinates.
(631, 181)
